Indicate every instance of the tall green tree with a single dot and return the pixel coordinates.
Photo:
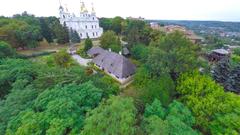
(88, 44)
(45, 29)
(114, 116)
(117, 25)
(109, 39)
(173, 54)
(74, 37)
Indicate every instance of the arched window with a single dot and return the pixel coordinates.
(93, 34)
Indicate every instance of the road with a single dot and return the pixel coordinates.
(81, 60)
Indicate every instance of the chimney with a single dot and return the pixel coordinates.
(109, 49)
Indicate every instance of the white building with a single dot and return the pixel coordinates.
(87, 25)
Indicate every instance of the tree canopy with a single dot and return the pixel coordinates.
(113, 116)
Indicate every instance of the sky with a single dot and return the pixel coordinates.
(218, 10)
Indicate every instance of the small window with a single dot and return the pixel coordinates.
(87, 34)
(111, 65)
(96, 34)
(95, 26)
(93, 34)
(80, 34)
(86, 26)
(93, 18)
(92, 26)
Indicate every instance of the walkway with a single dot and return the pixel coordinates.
(81, 60)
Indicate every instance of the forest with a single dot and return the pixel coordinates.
(170, 95)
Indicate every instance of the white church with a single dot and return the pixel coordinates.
(87, 25)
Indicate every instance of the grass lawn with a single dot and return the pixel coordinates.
(43, 47)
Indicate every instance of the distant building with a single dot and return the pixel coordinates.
(87, 25)
(154, 25)
(114, 64)
(171, 28)
(138, 19)
(218, 54)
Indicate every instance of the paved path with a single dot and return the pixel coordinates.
(81, 60)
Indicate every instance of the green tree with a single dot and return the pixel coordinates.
(63, 59)
(162, 88)
(154, 125)
(175, 120)
(88, 44)
(140, 52)
(19, 33)
(117, 24)
(6, 50)
(155, 109)
(45, 29)
(109, 40)
(175, 54)
(74, 37)
(57, 111)
(206, 99)
(14, 70)
(137, 32)
(114, 116)
(105, 23)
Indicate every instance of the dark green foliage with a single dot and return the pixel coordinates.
(106, 83)
(88, 44)
(173, 54)
(111, 117)
(13, 70)
(140, 52)
(227, 75)
(45, 29)
(137, 32)
(57, 31)
(105, 23)
(59, 111)
(117, 25)
(162, 88)
(62, 33)
(18, 100)
(74, 37)
(6, 50)
(63, 59)
(175, 120)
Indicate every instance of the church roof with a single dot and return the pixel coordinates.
(95, 51)
(113, 62)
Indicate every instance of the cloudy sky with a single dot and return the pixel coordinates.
(223, 10)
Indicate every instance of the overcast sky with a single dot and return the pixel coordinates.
(223, 10)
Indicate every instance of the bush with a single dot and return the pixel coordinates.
(6, 50)
(63, 59)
